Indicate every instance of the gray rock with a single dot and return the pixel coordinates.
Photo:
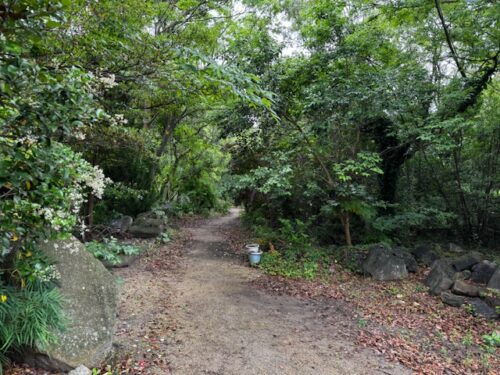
(409, 259)
(425, 254)
(149, 225)
(481, 308)
(464, 275)
(483, 271)
(152, 215)
(125, 261)
(382, 264)
(80, 370)
(466, 261)
(464, 289)
(494, 282)
(122, 224)
(167, 207)
(440, 277)
(454, 248)
(492, 299)
(452, 299)
(89, 294)
(146, 230)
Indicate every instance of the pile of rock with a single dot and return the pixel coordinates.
(468, 279)
(122, 224)
(147, 224)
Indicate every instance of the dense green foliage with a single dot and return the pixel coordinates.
(389, 124)
(105, 110)
(42, 180)
(332, 122)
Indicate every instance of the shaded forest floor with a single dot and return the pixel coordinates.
(195, 307)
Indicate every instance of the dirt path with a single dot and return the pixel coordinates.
(206, 319)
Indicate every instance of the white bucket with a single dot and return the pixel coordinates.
(252, 248)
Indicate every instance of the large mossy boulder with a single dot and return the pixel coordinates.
(481, 308)
(407, 256)
(494, 282)
(90, 294)
(452, 299)
(465, 289)
(384, 264)
(122, 224)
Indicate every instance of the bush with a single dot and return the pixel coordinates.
(402, 225)
(296, 257)
(493, 340)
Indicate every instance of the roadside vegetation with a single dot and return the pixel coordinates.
(337, 125)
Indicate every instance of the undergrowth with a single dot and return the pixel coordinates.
(289, 251)
(110, 250)
(30, 317)
(310, 266)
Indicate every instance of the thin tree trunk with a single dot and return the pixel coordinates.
(345, 220)
(90, 210)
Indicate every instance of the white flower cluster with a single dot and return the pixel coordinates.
(109, 81)
(28, 139)
(76, 198)
(47, 213)
(46, 274)
(96, 181)
(80, 136)
(57, 218)
(120, 119)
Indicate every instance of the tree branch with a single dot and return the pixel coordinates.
(329, 177)
(448, 39)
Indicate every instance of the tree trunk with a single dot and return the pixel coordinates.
(393, 154)
(345, 219)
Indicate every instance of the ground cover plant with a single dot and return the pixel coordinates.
(110, 250)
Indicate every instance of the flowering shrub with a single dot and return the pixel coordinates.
(43, 182)
(42, 192)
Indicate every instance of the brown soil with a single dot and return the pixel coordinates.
(191, 308)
